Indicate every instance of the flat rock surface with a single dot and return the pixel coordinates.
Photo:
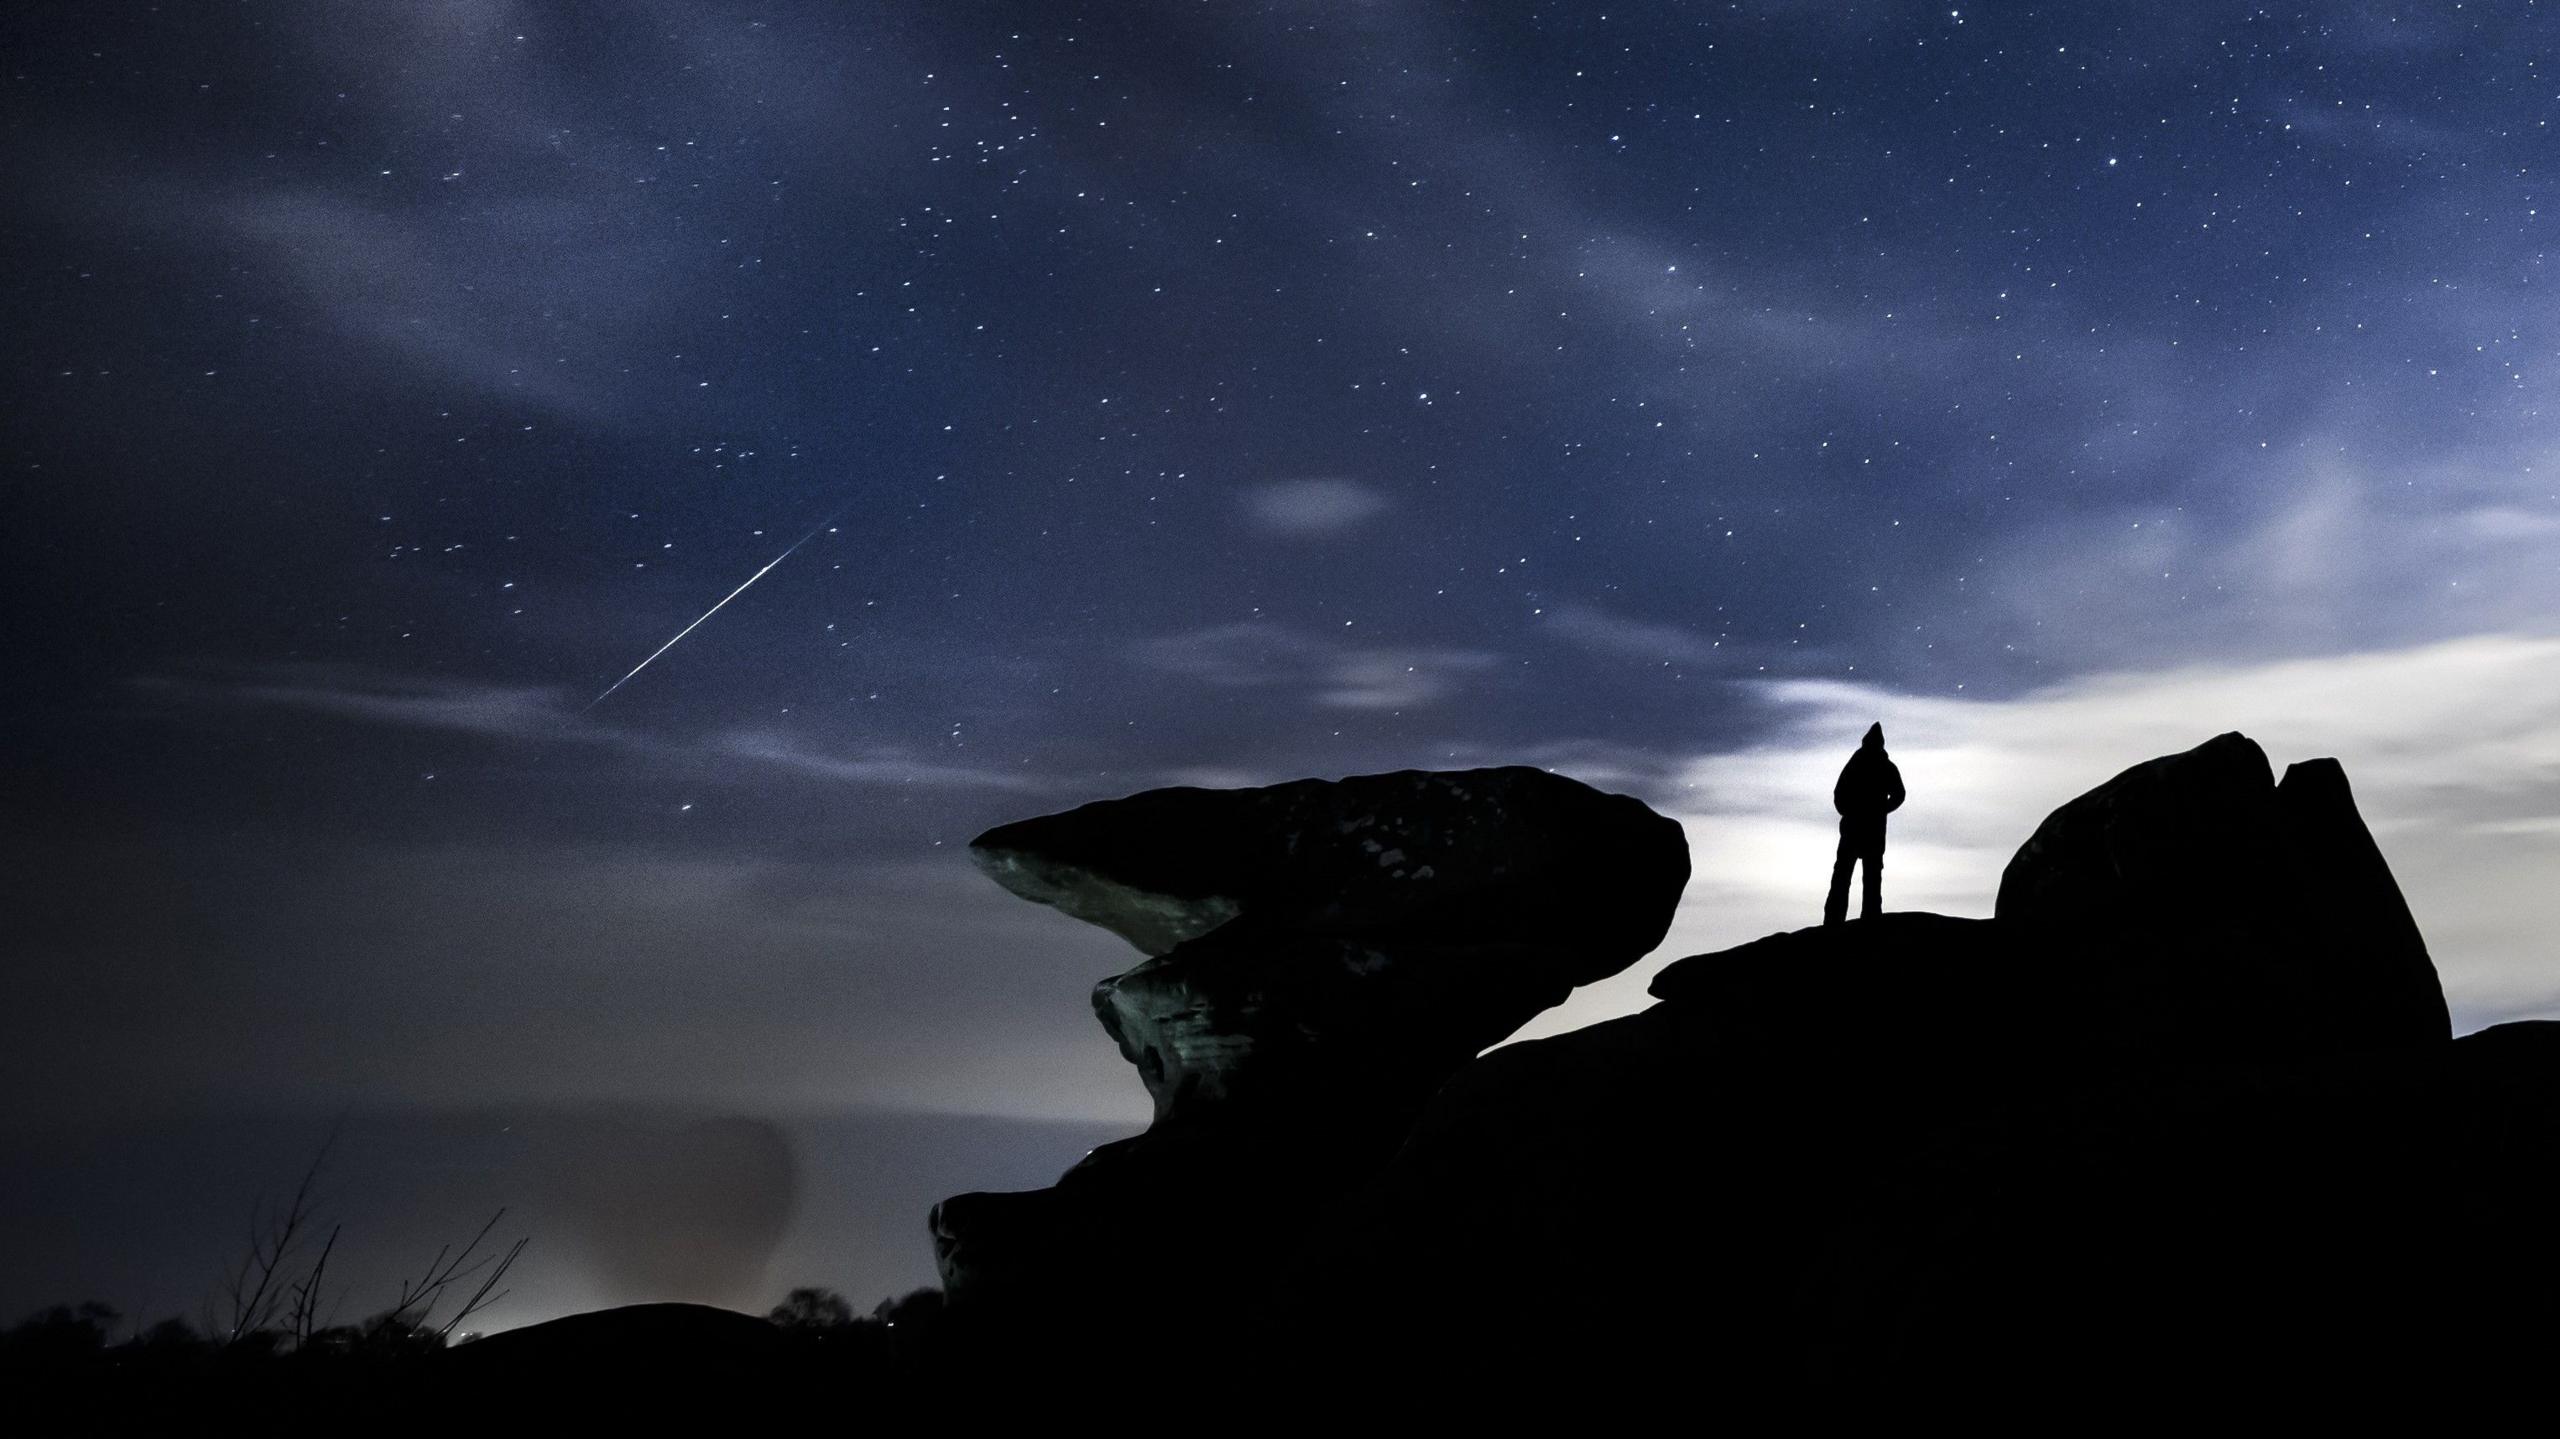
(1516, 854)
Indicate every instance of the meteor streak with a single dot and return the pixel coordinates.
(706, 614)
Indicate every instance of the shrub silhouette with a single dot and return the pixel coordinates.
(265, 1326)
(64, 1335)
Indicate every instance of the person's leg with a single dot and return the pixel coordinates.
(1835, 908)
(1874, 901)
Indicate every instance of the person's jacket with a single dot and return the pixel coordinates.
(1870, 786)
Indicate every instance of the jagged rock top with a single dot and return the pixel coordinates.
(2203, 853)
(2190, 906)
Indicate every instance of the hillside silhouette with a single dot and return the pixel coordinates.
(2183, 1120)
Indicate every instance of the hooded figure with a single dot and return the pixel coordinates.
(1869, 789)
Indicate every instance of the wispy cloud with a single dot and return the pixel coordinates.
(428, 296)
(2453, 750)
(1603, 632)
(2329, 553)
(545, 715)
(506, 711)
(1312, 507)
(876, 765)
(528, 271)
(1259, 655)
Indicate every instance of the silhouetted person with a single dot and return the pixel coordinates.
(1869, 789)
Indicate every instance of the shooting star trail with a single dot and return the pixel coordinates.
(706, 614)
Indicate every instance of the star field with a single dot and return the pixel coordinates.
(1189, 393)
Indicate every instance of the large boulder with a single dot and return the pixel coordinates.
(2186, 841)
(1323, 954)
(2267, 906)
(1511, 854)
(1378, 928)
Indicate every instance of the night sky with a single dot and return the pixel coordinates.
(1184, 393)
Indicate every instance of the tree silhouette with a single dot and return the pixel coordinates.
(812, 1308)
(914, 1308)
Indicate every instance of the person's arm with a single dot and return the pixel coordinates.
(1892, 786)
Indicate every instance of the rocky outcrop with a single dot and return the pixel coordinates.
(1373, 930)
(2379, 982)
(1323, 955)
(2183, 1119)
(2182, 841)
(1455, 855)
(2196, 879)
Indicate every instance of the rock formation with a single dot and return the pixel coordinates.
(1322, 955)
(2269, 901)
(2183, 1117)
(2354, 922)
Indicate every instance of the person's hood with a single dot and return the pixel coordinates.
(1875, 736)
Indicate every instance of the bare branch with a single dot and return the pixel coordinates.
(481, 1298)
(306, 1295)
(447, 1269)
(256, 1289)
